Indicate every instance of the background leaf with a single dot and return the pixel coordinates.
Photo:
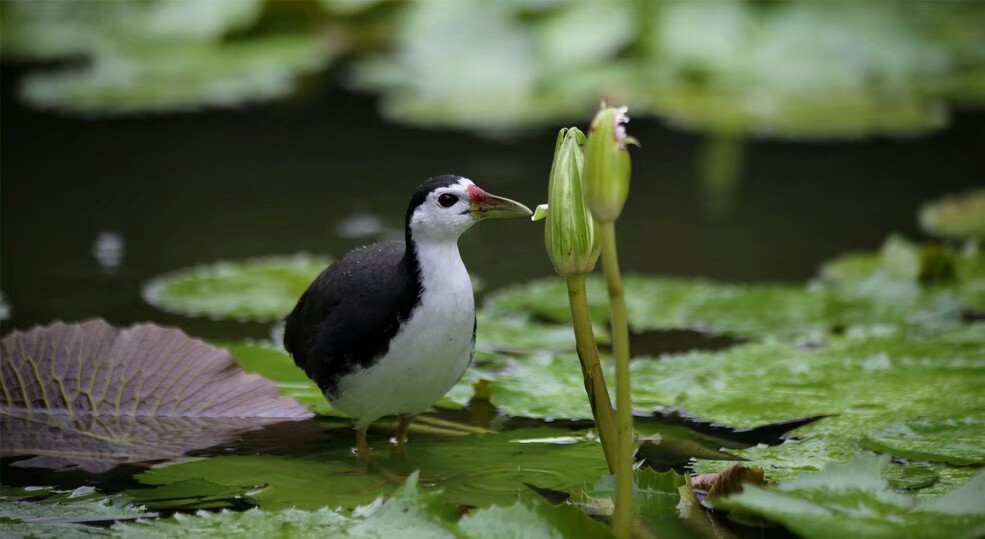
(260, 289)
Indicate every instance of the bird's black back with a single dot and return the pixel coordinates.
(349, 314)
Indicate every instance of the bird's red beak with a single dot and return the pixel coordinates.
(488, 205)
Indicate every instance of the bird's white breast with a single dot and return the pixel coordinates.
(428, 354)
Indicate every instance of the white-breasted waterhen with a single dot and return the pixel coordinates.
(390, 328)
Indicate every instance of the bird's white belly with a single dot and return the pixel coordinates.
(425, 359)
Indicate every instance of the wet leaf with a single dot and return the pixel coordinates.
(960, 216)
(412, 511)
(853, 500)
(746, 311)
(261, 289)
(476, 470)
(856, 382)
(43, 512)
(954, 440)
(533, 519)
(283, 524)
(910, 476)
(93, 396)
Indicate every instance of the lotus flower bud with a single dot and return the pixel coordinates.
(570, 232)
(607, 167)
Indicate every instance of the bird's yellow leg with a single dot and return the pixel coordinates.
(402, 426)
(362, 446)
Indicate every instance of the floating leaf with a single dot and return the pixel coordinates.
(411, 512)
(906, 275)
(853, 500)
(953, 440)
(535, 519)
(283, 524)
(262, 289)
(956, 217)
(748, 311)
(180, 76)
(93, 396)
(90, 27)
(473, 470)
(43, 513)
(910, 476)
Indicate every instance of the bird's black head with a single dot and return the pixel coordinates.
(445, 206)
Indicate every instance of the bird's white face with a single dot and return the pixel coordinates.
(445, 214)
(449, 211)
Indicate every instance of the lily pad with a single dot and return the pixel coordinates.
(745, 311)
(261, 289)
(954, 440)
(911, 274)
(857, 382)
(283, 524)
(534, 519)
(853, 500)
(476, 470)
(412, 511)
(93, 396)
(181, 76)
(961, 217)
(43, 512)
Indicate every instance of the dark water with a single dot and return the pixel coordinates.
(278, 178)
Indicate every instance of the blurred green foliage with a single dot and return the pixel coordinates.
(795, 68)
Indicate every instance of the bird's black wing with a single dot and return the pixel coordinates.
(349, 314)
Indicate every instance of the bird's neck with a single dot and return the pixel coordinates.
(437, 262)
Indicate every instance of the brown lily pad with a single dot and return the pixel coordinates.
(92, 396)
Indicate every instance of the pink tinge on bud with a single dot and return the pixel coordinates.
(478, 195)
(621, 119)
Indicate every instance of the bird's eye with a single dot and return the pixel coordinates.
(447, 200)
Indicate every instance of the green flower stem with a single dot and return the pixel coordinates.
(591, 369)
(623, 516)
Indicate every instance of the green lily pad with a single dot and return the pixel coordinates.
(283, 524)
(956, 217)
(911, 274)
(746, 311)
(260, 289)
(476, 470)
(954, 440)
(89, 28)
(910, 476)
(43, 513)
(853, 500)
(412, 511)
(147, 78)
(856, 381)
(534, 519)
